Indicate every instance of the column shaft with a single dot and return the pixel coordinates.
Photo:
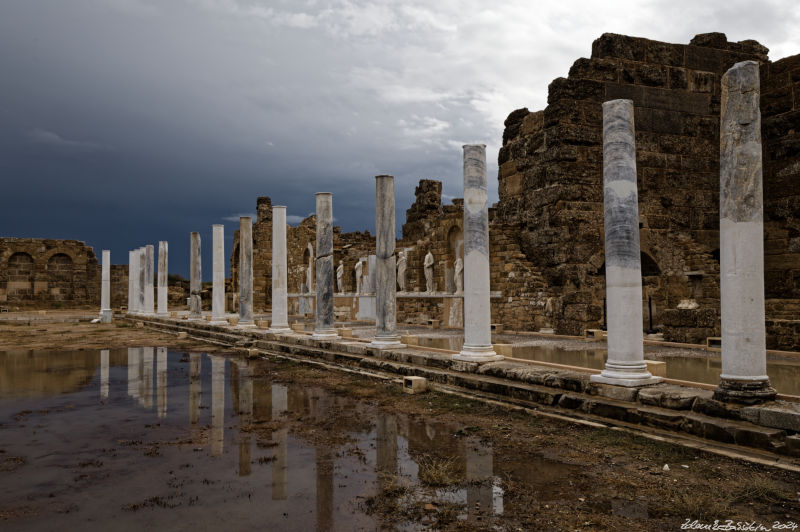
(218, 279)
(163, 273)
(323, 327)
(477, 309)
(625, 365)
(105, 288)
(280, 305)
(149, 292)
(130, 282)
(195, 277)
(142, 274)
(385, 274)
(246, 272)
(744, 359)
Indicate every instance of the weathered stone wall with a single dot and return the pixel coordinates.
(36, 272)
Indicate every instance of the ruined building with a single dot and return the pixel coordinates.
(546, 231)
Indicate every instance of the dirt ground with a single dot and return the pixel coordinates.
(615, 480)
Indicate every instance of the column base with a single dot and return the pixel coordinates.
(106, 315)
(745, 392)
(198, 317)
(325, 334)
(477, 353)
(622, 374)
(386, 342)
(246, 325)
(162, 314)
(280, 329)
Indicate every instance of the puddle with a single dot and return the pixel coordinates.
(784, 374)
(131, 438)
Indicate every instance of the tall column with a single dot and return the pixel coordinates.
(140, 306)
(280, 306)
(246, 272)
(741, 229)
(218, 284)
(195, 277)
(105, 288)
(135, 282)
(163, 273)
(130, 282)
(149, 295)
(323, 327)
(477, 309)
(625, 365)
(385, 273)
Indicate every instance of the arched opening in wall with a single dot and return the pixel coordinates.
(20, 276)
(60, 277)
(649, 266)
(455, 250)
(307, 280)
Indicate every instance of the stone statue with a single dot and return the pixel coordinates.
(359, 266)
(459, 275)
(428, 272)
(310, 269)
(401, 271)
(340, 277)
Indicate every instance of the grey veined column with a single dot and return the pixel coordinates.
(195, 277)
(323, 326)
(625, 365)
(246, 272)
(149, 294)
(385, 273)
(477, 310)
(280, 305)
(741, 229)
(218, 279)
(130, 282)
(105, 288)
(142, 277)
(162, 278)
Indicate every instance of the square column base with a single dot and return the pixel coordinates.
(386, 342)
(478, 353)
(280, 330)
(745, 392)
(626, 381)
(329, 334)
(246, 325)
(218, 322)
(106, 315)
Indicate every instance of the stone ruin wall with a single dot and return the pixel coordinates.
(550, 180)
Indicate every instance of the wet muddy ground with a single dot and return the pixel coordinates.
(185, 439)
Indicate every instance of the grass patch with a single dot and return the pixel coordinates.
(437, 472)
(758, 489)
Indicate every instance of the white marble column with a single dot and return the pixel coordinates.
(105, 288)
(142, 274)
(149, 286)
(625, 365)
(744, 359)
(135, 282)
(385, 275)
(280, 305)
(477, 310)
(323, 326)
(195, 277)
(130, 282)
(218, 279)
(246, 272)
(163, 274)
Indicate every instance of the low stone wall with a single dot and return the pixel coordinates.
(772, 427)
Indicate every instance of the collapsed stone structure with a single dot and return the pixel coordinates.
(546, 231)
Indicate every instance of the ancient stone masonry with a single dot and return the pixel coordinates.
(550, 181)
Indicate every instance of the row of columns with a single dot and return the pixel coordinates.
(141, 269)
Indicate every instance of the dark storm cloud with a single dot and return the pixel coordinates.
(125, 122)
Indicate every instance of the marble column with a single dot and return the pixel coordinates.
(142, 274)
(134, 282)
(149, 288)
(195, 277)
(477, 310)
(162, 278)
(385, 274)
(323, 326)
(218, 279)
(246, 272)
(280, 305)
(741, 228)
(130, 281)
(105, 288)
(625, 365)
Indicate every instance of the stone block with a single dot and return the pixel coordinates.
(612, 410)
(657, 368)
(619, 393)
(571, 402)
(760, 437)
(656, 417)
(182, 335)
(792, 445)
(415, 385)
(503, 349)
(781, 415)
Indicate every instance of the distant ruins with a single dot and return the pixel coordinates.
(546, 232)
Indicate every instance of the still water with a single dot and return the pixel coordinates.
(784, 374)
(143, 437)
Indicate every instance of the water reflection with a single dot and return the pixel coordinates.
(104, 374)
(195, 387)
(217, 403)
(161, 381)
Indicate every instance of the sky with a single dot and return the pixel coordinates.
(126, 122)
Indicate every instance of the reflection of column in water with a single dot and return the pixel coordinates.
(479, 478)
(217, 403)
(280, 403)
(245, 419)
(104, 373)
(195, 386)
(133, 372)
(324, 489)
(161, 381)
(233, 380)
(147, 377)
(386, 452)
